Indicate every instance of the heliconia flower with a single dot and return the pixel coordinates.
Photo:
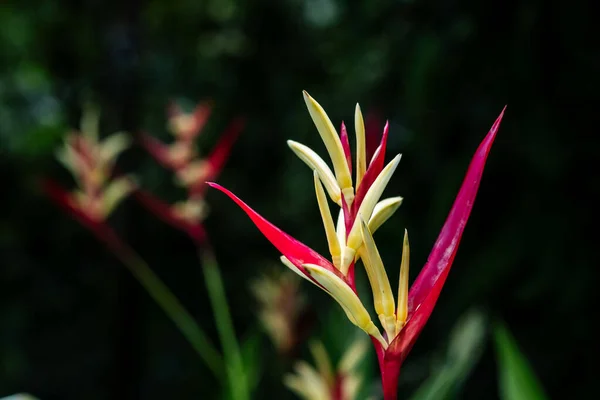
(282, 310)
(91, 162)
(325, 383)
(402, 318)
(190, 171)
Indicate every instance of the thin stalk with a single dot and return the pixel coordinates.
(218, 299)
(172, 307)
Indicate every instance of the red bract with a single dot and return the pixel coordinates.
(426, 289)
(167, 213)
(294, 250)
(218, 157)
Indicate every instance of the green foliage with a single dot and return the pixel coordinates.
(465, 346)
(516, 378)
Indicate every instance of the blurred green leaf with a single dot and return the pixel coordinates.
(464, 350)
(517, 380)
(20, 396)
(252, 356)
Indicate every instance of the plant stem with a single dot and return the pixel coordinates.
(172, 307)
(218, 300)
(390, 371)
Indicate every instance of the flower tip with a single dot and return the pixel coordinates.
(214, 185)
(489, 139)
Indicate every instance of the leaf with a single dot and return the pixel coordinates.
(517, 381)
(252, 357)
(20, 396)
(464, 351)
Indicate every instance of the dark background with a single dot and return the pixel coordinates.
(75, 325)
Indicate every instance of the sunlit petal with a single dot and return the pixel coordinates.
(316, 163)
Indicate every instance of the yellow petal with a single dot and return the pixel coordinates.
(322, 361)
(353, 356)
(291, 266)
(343, 294)
(340, 228)
(361, 152)
(316, 163)
(333, 144)
(382, 211)
(115, 192)
(112, 146)
(307, 383)
(90, 122)
(332, 240)
(382, 291)
(402, 312)
(368, 204)
(69, 158)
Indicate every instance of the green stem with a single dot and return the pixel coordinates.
(172, 307)
(218, 299)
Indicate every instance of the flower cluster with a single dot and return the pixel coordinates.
(190, 170)
(351, 238)
(91, 162)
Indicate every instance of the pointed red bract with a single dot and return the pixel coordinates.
(220, 153)
(426, 289)
(348, 215)
(165, 212)
(346, 146)
(298, 253)
(372, 172)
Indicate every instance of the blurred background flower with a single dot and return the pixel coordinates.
(283, 310)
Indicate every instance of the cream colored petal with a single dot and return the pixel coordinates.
(343, 294)
(332, 240)
(68, 158)
(291, 266)
(114, 145)
(115, 192)
(323, 362)
(333, 144)
(316, 163)
(350, 386)
(361, 152)
(353, 355)
(382, 211)
(402, 312)
(307, 383)
(90, 123)
(375, 154)
(368, 204)
(340, 228)
(383, 298)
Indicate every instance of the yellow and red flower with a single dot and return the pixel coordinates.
(361, 214)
